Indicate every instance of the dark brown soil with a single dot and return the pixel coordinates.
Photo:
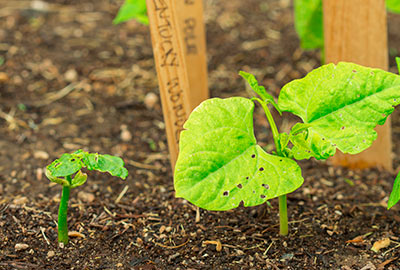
(70, 79)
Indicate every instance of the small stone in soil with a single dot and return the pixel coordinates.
(21, 246)
(86, 196)
(41, 155)
(20, 201)
(51, 254)
(150, 100)
(126, 135)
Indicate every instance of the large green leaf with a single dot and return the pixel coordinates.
(308, 19)
(132, 9)
(220, 164)
(341, 105)
(393, 5)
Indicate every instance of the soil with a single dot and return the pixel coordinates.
(69, 79)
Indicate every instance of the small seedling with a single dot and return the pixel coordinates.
(221, 166)
(66, 171)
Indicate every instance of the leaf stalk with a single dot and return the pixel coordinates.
(283, 216)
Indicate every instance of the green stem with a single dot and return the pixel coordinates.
(62, 214)
(283, 216)
(274, 129)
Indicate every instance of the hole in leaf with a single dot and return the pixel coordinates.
(239, 186)
(394, 100)
(261, 169)
(364, 141)
(265, 186)
(226, 193)
(72, 159)
(342, 128)
(253, 156)
(247, 178)
(323, 139)
(355, 71)
(372, 73)
(241, 203)
(281, 160)
(262, 196)
(96, 158)
(254, 191)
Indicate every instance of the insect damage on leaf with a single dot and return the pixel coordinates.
(68, 164)
(220, 164)
(340, 106)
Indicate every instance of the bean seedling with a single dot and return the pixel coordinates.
(66, 171)
(221, 166)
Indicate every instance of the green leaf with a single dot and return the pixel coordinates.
(105, 163)
(395, 194)
(259, 89)
(132, 9)
(79, 179)
(220, 164)
(66, 165)
(341, 104)
(308, 19)
(307, 144)
(393, 5)
(398, 63)
(54, 179)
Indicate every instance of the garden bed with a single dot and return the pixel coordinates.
(70, 79)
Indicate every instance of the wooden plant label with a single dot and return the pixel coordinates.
(177, 34)
(191, 25)
(356, 31)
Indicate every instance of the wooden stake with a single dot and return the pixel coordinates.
(190, 19)
(177, 34)
(356, 31)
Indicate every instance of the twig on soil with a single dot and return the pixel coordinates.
(142, 165)
(52, 97)
(121, 194)
(13, 123)
(389, 250)
(172, 247)
(44, 235)
(109, 212)
(381, 266)
(270, 245)
(217, 243)
(197, 219)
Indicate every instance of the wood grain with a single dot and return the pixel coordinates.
(178, 39)
(356, 31)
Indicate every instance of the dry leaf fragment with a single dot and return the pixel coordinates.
(76, 234)
(356, 240)
(218, 245)
(380, 244)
